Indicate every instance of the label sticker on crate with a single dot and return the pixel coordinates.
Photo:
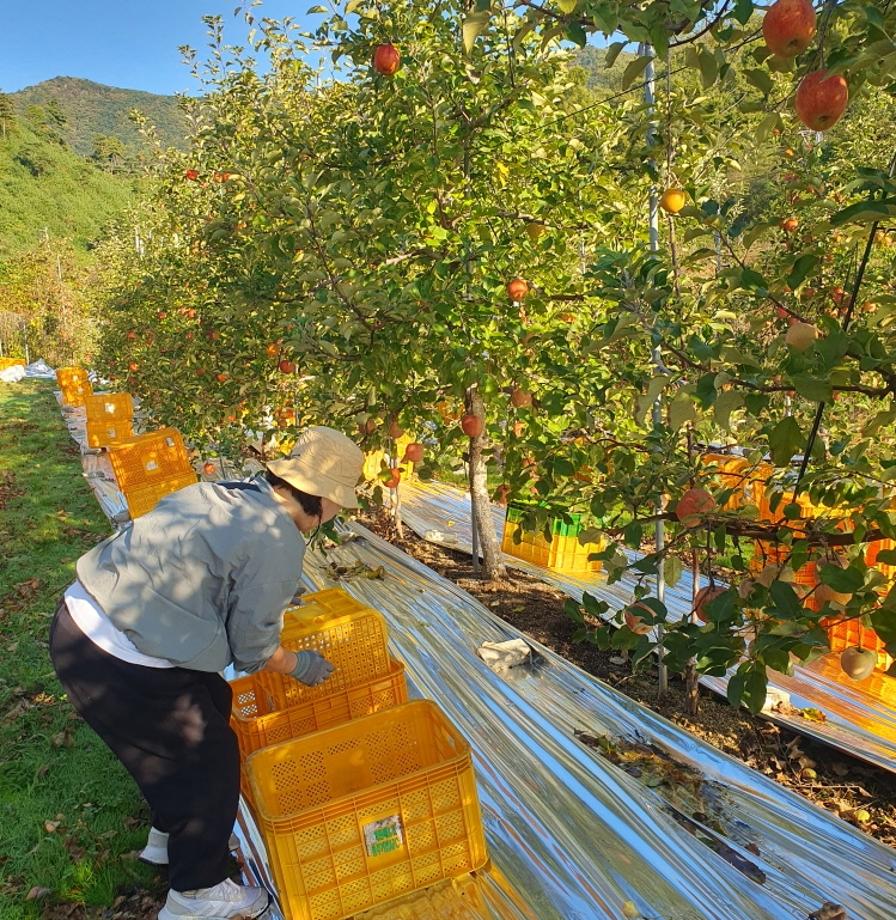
(383, 836)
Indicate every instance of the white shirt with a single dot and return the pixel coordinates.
(93, 622)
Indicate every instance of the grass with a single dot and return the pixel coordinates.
(70, 816)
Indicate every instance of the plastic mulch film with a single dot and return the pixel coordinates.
(859, 717)
(591, 801)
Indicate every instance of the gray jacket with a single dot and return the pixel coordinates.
(203, 579)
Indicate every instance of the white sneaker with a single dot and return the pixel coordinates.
(226, 901)
(155, 853)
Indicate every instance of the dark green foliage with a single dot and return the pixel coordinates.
(44, 186)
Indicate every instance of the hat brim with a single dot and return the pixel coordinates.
(320, 485)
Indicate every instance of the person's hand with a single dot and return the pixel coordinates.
(311, 668)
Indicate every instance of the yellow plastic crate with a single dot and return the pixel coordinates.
(458, 899)
(150, 459)
(367, 812)
(66, 376)
(141, 499)
(11, 362)
(731, 473)
(74, 394)
(354, 638)
(563, 552)
(260, 718)
(103, 433)
(106, 406)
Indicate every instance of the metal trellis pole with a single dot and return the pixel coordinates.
(654, 237)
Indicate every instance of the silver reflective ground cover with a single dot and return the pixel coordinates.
(860, 718)
(571, 835)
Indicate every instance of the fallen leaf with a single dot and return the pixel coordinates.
(37, 893)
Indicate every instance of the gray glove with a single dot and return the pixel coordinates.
(311, 668)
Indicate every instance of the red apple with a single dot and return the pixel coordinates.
(192, 174)
(472, 425)
(209, 468)
(413, 453)
(395, 430)
(501, 494)
(285, 417)
(788, 27)
(800, 336)
(705, 596)
(132, 335)
(394, 478)
(517, 289)
(133, 366)
(286, 367)
(858, 663)
(272, 350)
(520, 398)
(789, 224)
(386, 59)
(223, 377)
(214, 335)
(634, 622)
(693, 505)
(821, 100)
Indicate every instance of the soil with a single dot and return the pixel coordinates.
(860, 793)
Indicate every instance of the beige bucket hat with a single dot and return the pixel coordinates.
(323, 462)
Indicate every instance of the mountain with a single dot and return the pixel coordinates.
(604, 80)
(89, 109)
(46, 189)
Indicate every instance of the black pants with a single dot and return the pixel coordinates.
(171, 728)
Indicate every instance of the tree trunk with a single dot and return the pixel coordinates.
(493, 567)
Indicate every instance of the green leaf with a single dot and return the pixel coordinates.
(785, 440)
(706, 390)
(761, 79)
(755, 689)
(865, 212)
(802, 268)
(654, 388)
(736, 684)
(743, 10)
(709, 68)
(672, 569)
(316, 9)
(778, 659)
(813, 388)
(474, 25)
(786, 604)
(613, 52)
(681, 411)
(726, 402)
(767, 125)
(634, 70)
(846, 581)
(575, 33)
(567, 6)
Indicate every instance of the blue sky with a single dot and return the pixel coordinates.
(127, 43)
